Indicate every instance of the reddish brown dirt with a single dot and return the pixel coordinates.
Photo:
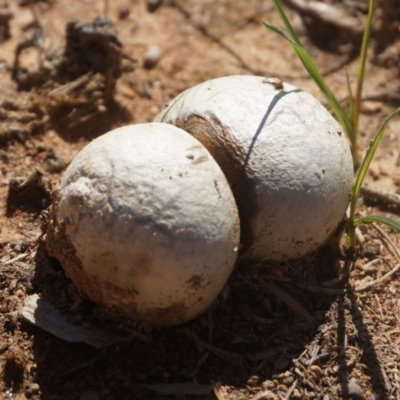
(256, 342)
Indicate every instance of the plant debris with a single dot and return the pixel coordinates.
(254, 343)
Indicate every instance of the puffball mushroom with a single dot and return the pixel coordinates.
(145, 224)
(286, 158)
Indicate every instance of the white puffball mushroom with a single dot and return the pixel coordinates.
(145, 224)
(287, 160)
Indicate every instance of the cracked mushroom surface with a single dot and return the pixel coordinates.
(286, 158)
(145, 223)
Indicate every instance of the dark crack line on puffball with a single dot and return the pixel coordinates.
(273, 103)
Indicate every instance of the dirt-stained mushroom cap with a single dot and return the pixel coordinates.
(287, 160)
(146, 224)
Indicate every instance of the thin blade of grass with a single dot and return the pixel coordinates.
(360, 178)
(350, 92)
(369, 219)
(361, 68)
(367, 161)
(286, 22)
(280, 32)
(311, 68)
(352, 133)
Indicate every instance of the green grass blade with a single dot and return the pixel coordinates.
(380, 220)
(352, 132)
(280, 32)
(361, 65)
(351, 98)
(311, 68)
(366, 163)
(286, 22)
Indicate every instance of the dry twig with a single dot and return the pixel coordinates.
(386, 197)
(233, 357)
(328, 14)
(391, 246)
(288, 300)
(375, 282)
(291, 389)
(241, 61)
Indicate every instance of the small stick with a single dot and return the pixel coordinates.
(314, 355)
(317, 359)
(382, 195)
(98, 357)
(19, 188)
(19, 257)
(389, 241)
(370, 264)
(68, 87)
(233, 357)
(369, 285)
(360, 237)
(203, 30)
(327, 13)
(290, 390)
(288, 300)
(223, 354)
(265, 394)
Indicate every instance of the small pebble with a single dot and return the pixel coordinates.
(353, 389)
(151, 57)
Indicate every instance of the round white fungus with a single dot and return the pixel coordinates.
(145, 224)
(286, 158)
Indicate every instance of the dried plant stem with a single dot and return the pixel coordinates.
(382, 195)
(391, 246)
(288, 300)
(369, 285)
(360, 288)
(291, 389)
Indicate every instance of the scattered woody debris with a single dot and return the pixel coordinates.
(74, 85)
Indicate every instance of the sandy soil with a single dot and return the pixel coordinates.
(281, 331)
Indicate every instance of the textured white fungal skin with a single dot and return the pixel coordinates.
(293, 152)
(148, 210)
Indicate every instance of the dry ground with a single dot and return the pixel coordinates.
(286, 331)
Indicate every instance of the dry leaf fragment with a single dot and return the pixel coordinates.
(43, 314)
